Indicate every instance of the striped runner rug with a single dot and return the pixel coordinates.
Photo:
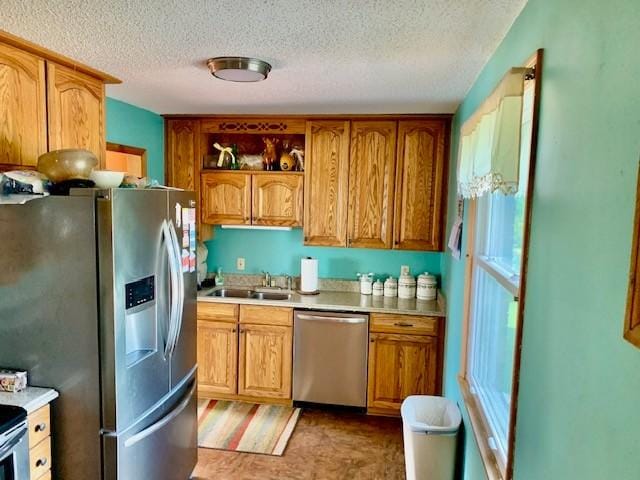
(245, 427)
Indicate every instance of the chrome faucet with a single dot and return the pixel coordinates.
(289, 282)
(266, 281)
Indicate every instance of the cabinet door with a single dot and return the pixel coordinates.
(226, 198)
(277, 199)
(399, 366)
(23, 121)
(76, 111)
(326, 183)
(372, 170)
(182, 155)
(420, 184)
(265, 361)
(217, 357)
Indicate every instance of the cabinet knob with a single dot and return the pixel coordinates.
(372, 340)
(41, 427)
(233, 331)
(41, 462)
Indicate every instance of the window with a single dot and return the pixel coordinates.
(494, 291)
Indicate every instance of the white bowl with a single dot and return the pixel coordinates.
(107, 178)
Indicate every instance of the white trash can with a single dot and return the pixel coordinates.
(430, 427)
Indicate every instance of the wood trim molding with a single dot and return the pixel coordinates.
(535, 62)
(493, 467)
(10, 39)
(632, 314)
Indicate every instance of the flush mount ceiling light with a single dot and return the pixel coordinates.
(239, 69)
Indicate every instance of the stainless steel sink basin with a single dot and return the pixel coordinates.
(248, 293)
(233, 293)
(270, 296)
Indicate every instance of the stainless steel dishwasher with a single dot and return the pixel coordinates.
(330, 358)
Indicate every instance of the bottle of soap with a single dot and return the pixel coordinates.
(219, 277)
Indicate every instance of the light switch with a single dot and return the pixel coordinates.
(240, 263)
(404, 270)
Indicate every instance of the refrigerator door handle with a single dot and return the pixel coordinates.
(180, 306)
(173, 274)
(163, 421)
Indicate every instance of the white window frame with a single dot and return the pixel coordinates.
(497, 451)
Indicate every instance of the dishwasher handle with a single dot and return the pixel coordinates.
(329, 319)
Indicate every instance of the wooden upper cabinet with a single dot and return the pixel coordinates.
(277, 199)
(326, 183)
(372, 171)
(420, 184)
(226, 198)
(265, 361)
(23, 121)
(182, 155)
(399, 366)
(76, 109)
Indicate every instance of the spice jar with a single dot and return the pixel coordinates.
(427, 286)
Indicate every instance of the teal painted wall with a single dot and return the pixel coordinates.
(279, 252)
(136, 127)
(578, 415)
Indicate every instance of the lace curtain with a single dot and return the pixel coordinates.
(489, 154)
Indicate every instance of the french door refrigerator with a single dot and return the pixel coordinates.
(98, 300)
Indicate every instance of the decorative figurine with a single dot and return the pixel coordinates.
(287, 162)
(298, 153)
(269, 155)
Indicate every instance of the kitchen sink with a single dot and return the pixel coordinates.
(270, 296)
(247, 293)
(233, 293)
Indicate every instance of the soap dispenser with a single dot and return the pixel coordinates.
(219, 277)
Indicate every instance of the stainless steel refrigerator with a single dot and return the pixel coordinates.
(98, 302)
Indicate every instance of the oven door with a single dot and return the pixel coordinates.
(14, 454)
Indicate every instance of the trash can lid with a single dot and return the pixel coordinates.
(429, 414)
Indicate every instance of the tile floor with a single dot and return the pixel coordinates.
(324, 446)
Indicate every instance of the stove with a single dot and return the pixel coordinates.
(14, 446)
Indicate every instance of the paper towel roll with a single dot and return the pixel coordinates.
(309, 275)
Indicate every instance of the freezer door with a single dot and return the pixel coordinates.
(162, 446)
(133, 254)
(183, 348)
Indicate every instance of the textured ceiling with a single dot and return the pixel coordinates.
(328, 56)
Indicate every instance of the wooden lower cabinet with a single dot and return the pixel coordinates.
(265, 365)
(399, 366)
(39, 423)
(245, 353)
(217, 357)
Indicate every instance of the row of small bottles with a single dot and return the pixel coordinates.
(405, 287)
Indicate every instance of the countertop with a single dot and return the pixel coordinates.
(31, 398)
(340, 301)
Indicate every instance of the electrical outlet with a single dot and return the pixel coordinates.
(404, 270)
(240, 263)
